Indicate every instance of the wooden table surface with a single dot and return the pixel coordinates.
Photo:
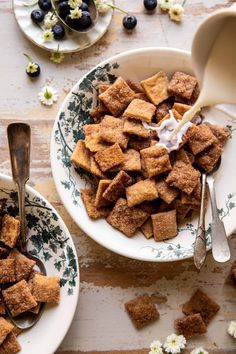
(100, 324)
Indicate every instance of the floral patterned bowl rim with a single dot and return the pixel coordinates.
(73, 42)
(74, 113)
(49, 238)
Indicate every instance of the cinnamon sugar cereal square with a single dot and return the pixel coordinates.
(97, 114)
(184, 177)
(139, 144)
(139, 109)
(141, 191)
(182, 85)
(147, 228)
(89, 196)
(23, 265)
(116, 189)
(209, 157)
(5, 328)
(201, 303)
(142, 96)
(182, 210)
(102, 186)
(46, 289)
(135, 127)
(102, 88)
(134, 86)
(132, 161)
(193, 199)
(142, 311)
(111, 131)
(125, 219)
(7, 271)
(184, 156)
(117, 97)
(10, 345)
(10, 230)
(155, 160)
(190, 326)
(155, 87)
(81, 156)
(165, 192)
(201, 137)
(109, 157)
(181, 108)
(221, 133)
(163, 109)
(164, 225)
(18, 298)
(93, 140)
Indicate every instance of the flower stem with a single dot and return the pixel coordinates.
(28, 57)
(53, 13)
(117, 8)
(183, 3)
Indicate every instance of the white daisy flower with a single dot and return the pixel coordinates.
(232, 329)
(57, 57)
(75, 3)
(48, 35)
(156, 347)
(174, 344)
(102, 6)
(199, 350)
(165, 4)
(48, 96)
(75, 13)
(176, 12)
(31, 67)
(50, 20)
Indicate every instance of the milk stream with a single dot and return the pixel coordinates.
(219, 78)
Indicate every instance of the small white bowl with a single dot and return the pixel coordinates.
(134, 65)
(50, 240)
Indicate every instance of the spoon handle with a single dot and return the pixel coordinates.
(220, 246)
(19, 146)
(200, 242)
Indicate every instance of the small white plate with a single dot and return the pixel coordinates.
(134, 65)
(72, 42)
(49, 239)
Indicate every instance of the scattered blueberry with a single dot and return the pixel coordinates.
(58, 31)
(84, 7)
(36, 71)
(71, 22)
(86, 2)
(63, 9)
(60, 1)
(85, 20)
(45, 5)
(129, 22)
(37, 15)
(150, 4)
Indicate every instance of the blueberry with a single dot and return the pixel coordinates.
(63, 9)
(60, 1)
(58, 31)
(71, 22)
(85, 20)
(86, 2)
(37, 15)
(129, 22)
(84, 7)
(45, 5)
(150, 4)
(35, 73)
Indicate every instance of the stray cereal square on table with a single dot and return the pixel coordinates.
(190, 326)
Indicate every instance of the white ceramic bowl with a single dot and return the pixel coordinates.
(74, 113)
(73, 42)
(49, 239)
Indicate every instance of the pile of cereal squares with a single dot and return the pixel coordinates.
(22, 288)
(140, 185)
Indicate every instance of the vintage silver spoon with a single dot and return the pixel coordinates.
(19, 135)
(200, 241)
(220, 245)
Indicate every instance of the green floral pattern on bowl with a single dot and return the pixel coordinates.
(68, 129)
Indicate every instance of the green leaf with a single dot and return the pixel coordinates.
(231, 205)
